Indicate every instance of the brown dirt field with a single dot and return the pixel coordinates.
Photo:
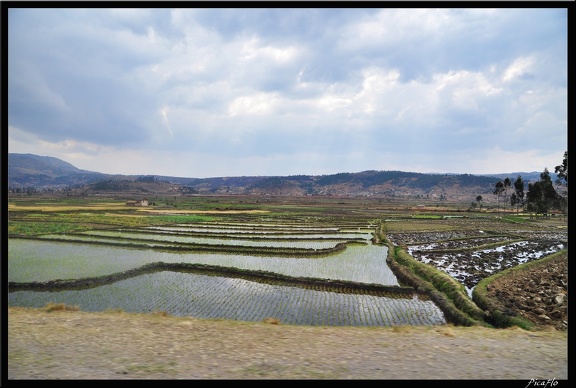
(539, 295)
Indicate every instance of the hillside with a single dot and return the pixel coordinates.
(28, 170)
(43, 172)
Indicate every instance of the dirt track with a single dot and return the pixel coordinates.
(117, 345)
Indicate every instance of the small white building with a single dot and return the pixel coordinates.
(140, 202)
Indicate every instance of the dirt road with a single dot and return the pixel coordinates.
(118, 345)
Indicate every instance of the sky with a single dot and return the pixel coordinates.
(213, 92)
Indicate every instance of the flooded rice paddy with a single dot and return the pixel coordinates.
(468, 255)
(205, 296)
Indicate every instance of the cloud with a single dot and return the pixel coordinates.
(520, 68)
(265, 89)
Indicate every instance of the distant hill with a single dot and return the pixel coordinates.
(28, 170)
(41, 172)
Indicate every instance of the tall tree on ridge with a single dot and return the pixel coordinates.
(507, 184)
(541, 195)
(562, 178)
(498, 190)
(517, 197)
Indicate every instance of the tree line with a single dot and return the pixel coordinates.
(542, 196)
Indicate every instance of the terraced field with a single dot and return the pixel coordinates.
(337, 252)
(303, 263)
(472, 255)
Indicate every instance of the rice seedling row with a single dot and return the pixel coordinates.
(258, 227)
(41, 260)
(307, 233)
(233, 298)
(293, 243)
(166, 233)
(174, 246)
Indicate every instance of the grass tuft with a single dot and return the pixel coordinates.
(161, 313)
(60, 307)
(114, 311)
(401, 329)
(446, 330)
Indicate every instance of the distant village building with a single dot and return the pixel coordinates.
(140, 202)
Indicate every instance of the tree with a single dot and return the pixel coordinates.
(532, 197)
(30, 190)
(499, 189)
(562, 178)
(541, 195)
(517, 198)
(562, 171)
(507, 184)
(479, 200)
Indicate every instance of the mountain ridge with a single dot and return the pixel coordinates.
(43, 172)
